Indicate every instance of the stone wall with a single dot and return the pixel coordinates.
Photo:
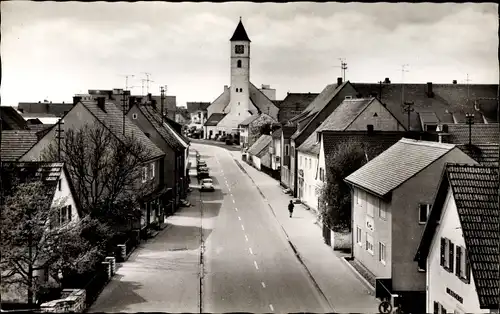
(72, 300)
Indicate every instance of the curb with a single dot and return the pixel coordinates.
(294, 249)
(358, 275)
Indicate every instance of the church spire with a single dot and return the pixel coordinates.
(240, 34)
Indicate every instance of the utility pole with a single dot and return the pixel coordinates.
(59, 137)
(470, 121)
(403, 70)
(408, 108)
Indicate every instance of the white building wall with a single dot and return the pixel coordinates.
(438, 279)
(64, 197)
(309, 164)
(377, 227)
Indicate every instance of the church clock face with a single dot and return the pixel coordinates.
(239, 49)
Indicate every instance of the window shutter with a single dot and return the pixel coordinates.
(467, 268)
(452, 251)
(70, 214)
(458, 261)
(436, 307)
(443, 245)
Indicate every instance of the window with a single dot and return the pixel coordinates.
(318, 137)
(300, 161)
(144, 174)
(59, 185)
(238, 64)
(462, 265)
(369, 243)
(447, 254)
(369, 205)
(63, 216)
(423, 213)
(152, 170)
(286, 150)
(321, 175)
(381, 252)
(70, 213)
(382, 212)
(358, 236)
(134, 116)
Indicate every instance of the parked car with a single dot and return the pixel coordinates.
(202, 169)
(229, 141)
(207, 185)
(202, 163)
(223, 138)
(203, 174)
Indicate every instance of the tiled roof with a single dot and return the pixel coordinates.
(259, 147)
(277, 133)
(177, 128)
(449, 100)
(374, 143)
(40, 127)
(214, 119)
(195, 106)
(480, 133)
(397, 164)
(288, 131)
(16, 143)
(277, 103)
(260, 100)
(56, 109)
(485, 154)
(249, 120)
(338, 120)
(319, 103)
(154, 118)
(475, 191)
(112, 118)
(240, 33)
(294, 103)
(11, 119)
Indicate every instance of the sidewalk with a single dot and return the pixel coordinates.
(343, 290)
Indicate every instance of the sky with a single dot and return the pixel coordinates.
(54, 50)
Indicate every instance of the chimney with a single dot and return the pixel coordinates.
(430, 94)
(339, 81)
(131, 102)
(150, 97)
(76, 99)
(454, 82)
(387, 81)
(153, 103)
(101, 103)
(369, 128)
(226, 87)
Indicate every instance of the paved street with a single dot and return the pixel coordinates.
(248, 263)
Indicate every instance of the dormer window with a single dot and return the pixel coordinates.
(238, 64)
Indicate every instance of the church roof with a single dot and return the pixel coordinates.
(240, 34)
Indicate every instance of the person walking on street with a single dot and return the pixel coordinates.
(290, 208)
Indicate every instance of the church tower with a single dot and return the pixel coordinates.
(240, 73)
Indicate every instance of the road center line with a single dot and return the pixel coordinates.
(250, 249)
(236, 209)
(263, 284)
(242, 227)
(271, 307)
(246, 238)
(256, 266)
(239, 218)
(233, 199)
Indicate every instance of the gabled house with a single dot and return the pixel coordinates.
(459, 249)
(10, 119)
(287, 133)
(311, 118)
(198, 112)
(44, 109)
(58, 185)
(391, 198)
(210, 126)
(108, 116)
(182, 116)
(293, 105)
(360, 114)
(275, 150)
(258, 153)
(250, 128)
(173, 169)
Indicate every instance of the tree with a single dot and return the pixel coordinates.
(33, 241)
(335, 195)
(106, 172)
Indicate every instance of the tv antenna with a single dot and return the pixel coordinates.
(403, 70)
(147, 80)
(343, 68)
